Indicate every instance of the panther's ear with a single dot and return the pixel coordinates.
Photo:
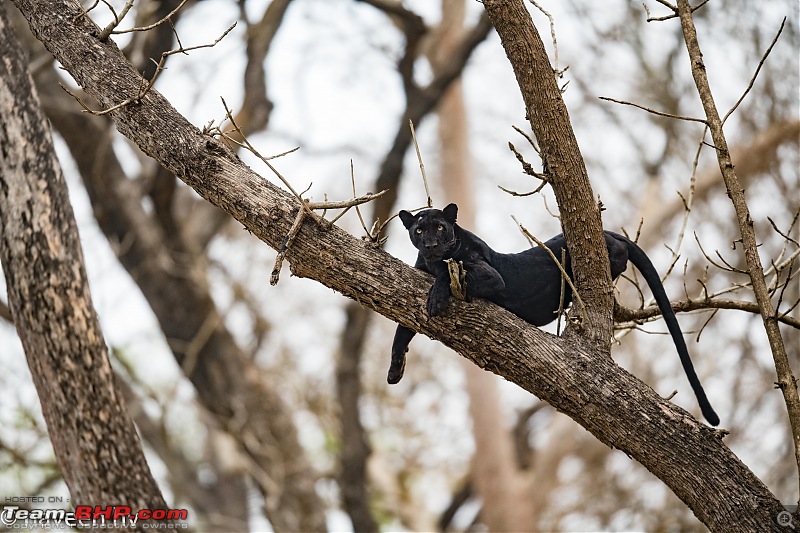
(407, 218)
(450, 213)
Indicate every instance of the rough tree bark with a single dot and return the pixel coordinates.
(612, 404)
(93, 436)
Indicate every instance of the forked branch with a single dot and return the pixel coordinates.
(307, 207)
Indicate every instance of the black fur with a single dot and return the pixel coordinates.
(527, 283)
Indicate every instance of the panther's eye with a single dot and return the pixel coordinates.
(440, 228)
(419, 230)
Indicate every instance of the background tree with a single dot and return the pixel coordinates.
(292, 357)
(92, 434)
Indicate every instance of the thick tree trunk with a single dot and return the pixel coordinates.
(616, 407)
(95, 441)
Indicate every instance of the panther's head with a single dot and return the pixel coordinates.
(432, 231)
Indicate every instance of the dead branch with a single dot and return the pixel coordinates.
(528, 138)
(674, 9)
(167, 18)
(556, 70)
(653, 111)
(727, 267)
(117, 19)
(358, 211)
(421, 164)
(755, 74)
(623, 314)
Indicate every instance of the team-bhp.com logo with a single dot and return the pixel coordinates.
(88, 516)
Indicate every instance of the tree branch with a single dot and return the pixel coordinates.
(622, 313)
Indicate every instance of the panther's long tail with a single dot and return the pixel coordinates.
(640, 260)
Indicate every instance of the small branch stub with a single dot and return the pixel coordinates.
(458, 278)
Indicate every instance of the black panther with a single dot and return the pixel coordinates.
(527, 283)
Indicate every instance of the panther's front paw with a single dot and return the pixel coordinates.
(437, 303)
(438, 299)
(396, 370)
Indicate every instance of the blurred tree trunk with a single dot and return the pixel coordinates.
(93, 436)
(171, 271)
(495, 475)
(172, 277)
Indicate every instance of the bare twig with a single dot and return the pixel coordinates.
(670, 6)
(527, 168)
(295, 229)
(782, 234)
(522, 194)
(358, 211)
(343, 204)
(755, 74)
(421, 164)
(307, 208)
(528, 138)
(550, 211)
(147, 85)
(783, 289)
(704, 324)
(564, 275)
(651, 18)
(653, 111)
(245, 143)
(117, 19)
(687, 206)
(727, 267)
(552, 35)
(149, 27)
